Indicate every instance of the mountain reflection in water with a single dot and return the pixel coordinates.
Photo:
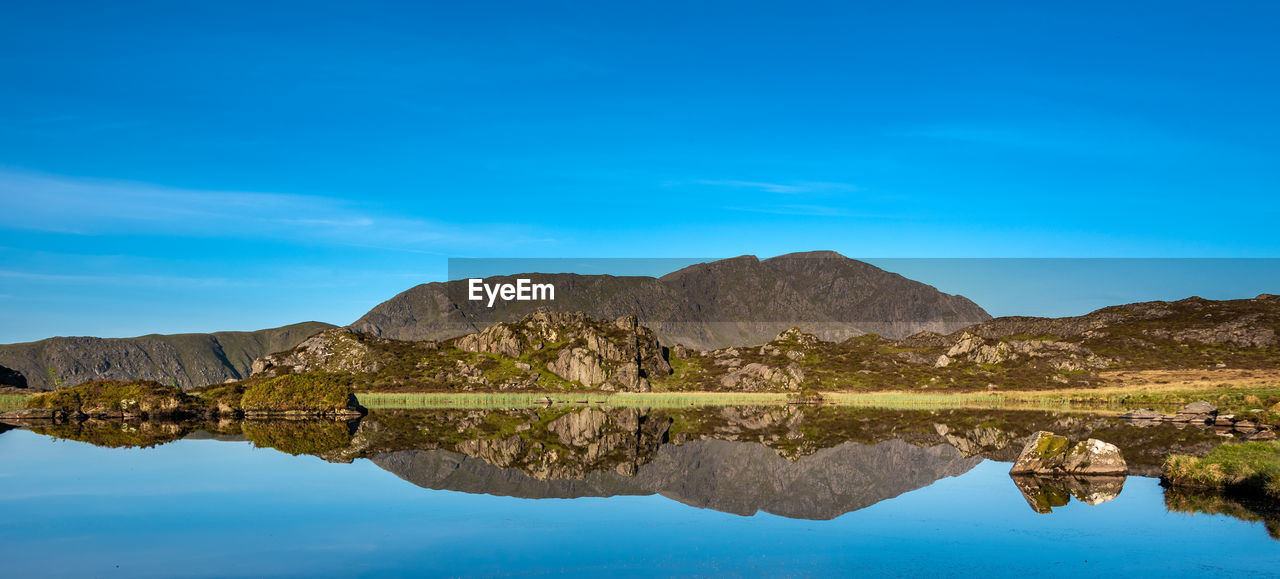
(793, 461)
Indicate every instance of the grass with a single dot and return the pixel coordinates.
(298, 437)
(13, 401)
(511, 400)
(1240, 399)
(315, 392)
(1248, 466)
(116, 396)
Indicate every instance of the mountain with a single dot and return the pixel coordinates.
(737, 301)
(558, 351)
(189, 360)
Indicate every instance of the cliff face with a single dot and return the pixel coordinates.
(738, 301)
(189, 360)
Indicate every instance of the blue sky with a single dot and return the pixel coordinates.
(189, 166)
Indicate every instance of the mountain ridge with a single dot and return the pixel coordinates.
(730, 302)
(189, 360)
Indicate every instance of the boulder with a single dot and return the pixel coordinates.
(1200, 407)
(756, 376)
(797, 336)
(1198, 412)
(1142, 414)
(1048, 453)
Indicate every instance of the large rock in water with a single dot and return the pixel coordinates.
(1197, 412)
(1048, 453)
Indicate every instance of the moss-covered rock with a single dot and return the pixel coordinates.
(316, 394)
(118, 399)
(1048, 453)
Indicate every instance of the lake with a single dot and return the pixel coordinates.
(811, 491)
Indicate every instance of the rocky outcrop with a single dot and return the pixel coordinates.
(334, 350)
(111, 399)
(1062, 356)
(1155, 333)
(187, 360)
(609, 355)
(12, 378)
(755, 377)
(1050, 454)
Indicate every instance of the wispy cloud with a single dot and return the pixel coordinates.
(96, 207)
(783, 188)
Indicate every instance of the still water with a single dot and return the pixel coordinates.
(691, 502)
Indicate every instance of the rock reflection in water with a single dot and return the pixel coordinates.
(735, 477)
(1044, 493)
(803, 462)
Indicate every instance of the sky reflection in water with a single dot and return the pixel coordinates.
(203, 507)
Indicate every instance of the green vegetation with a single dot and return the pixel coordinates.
(13, 401)
(116, 434)
(117, 397)
(526, 399)
(1097, 400)
(298, 436)
(223, 397)
(1252, 467)
(312, 392)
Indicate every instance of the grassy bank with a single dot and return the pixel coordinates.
(13, 401)
(1238, 399)
(508, 400)
(888, 400)
(1252, 467)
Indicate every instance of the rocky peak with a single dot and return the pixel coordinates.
(333, 350)
(795, 335)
